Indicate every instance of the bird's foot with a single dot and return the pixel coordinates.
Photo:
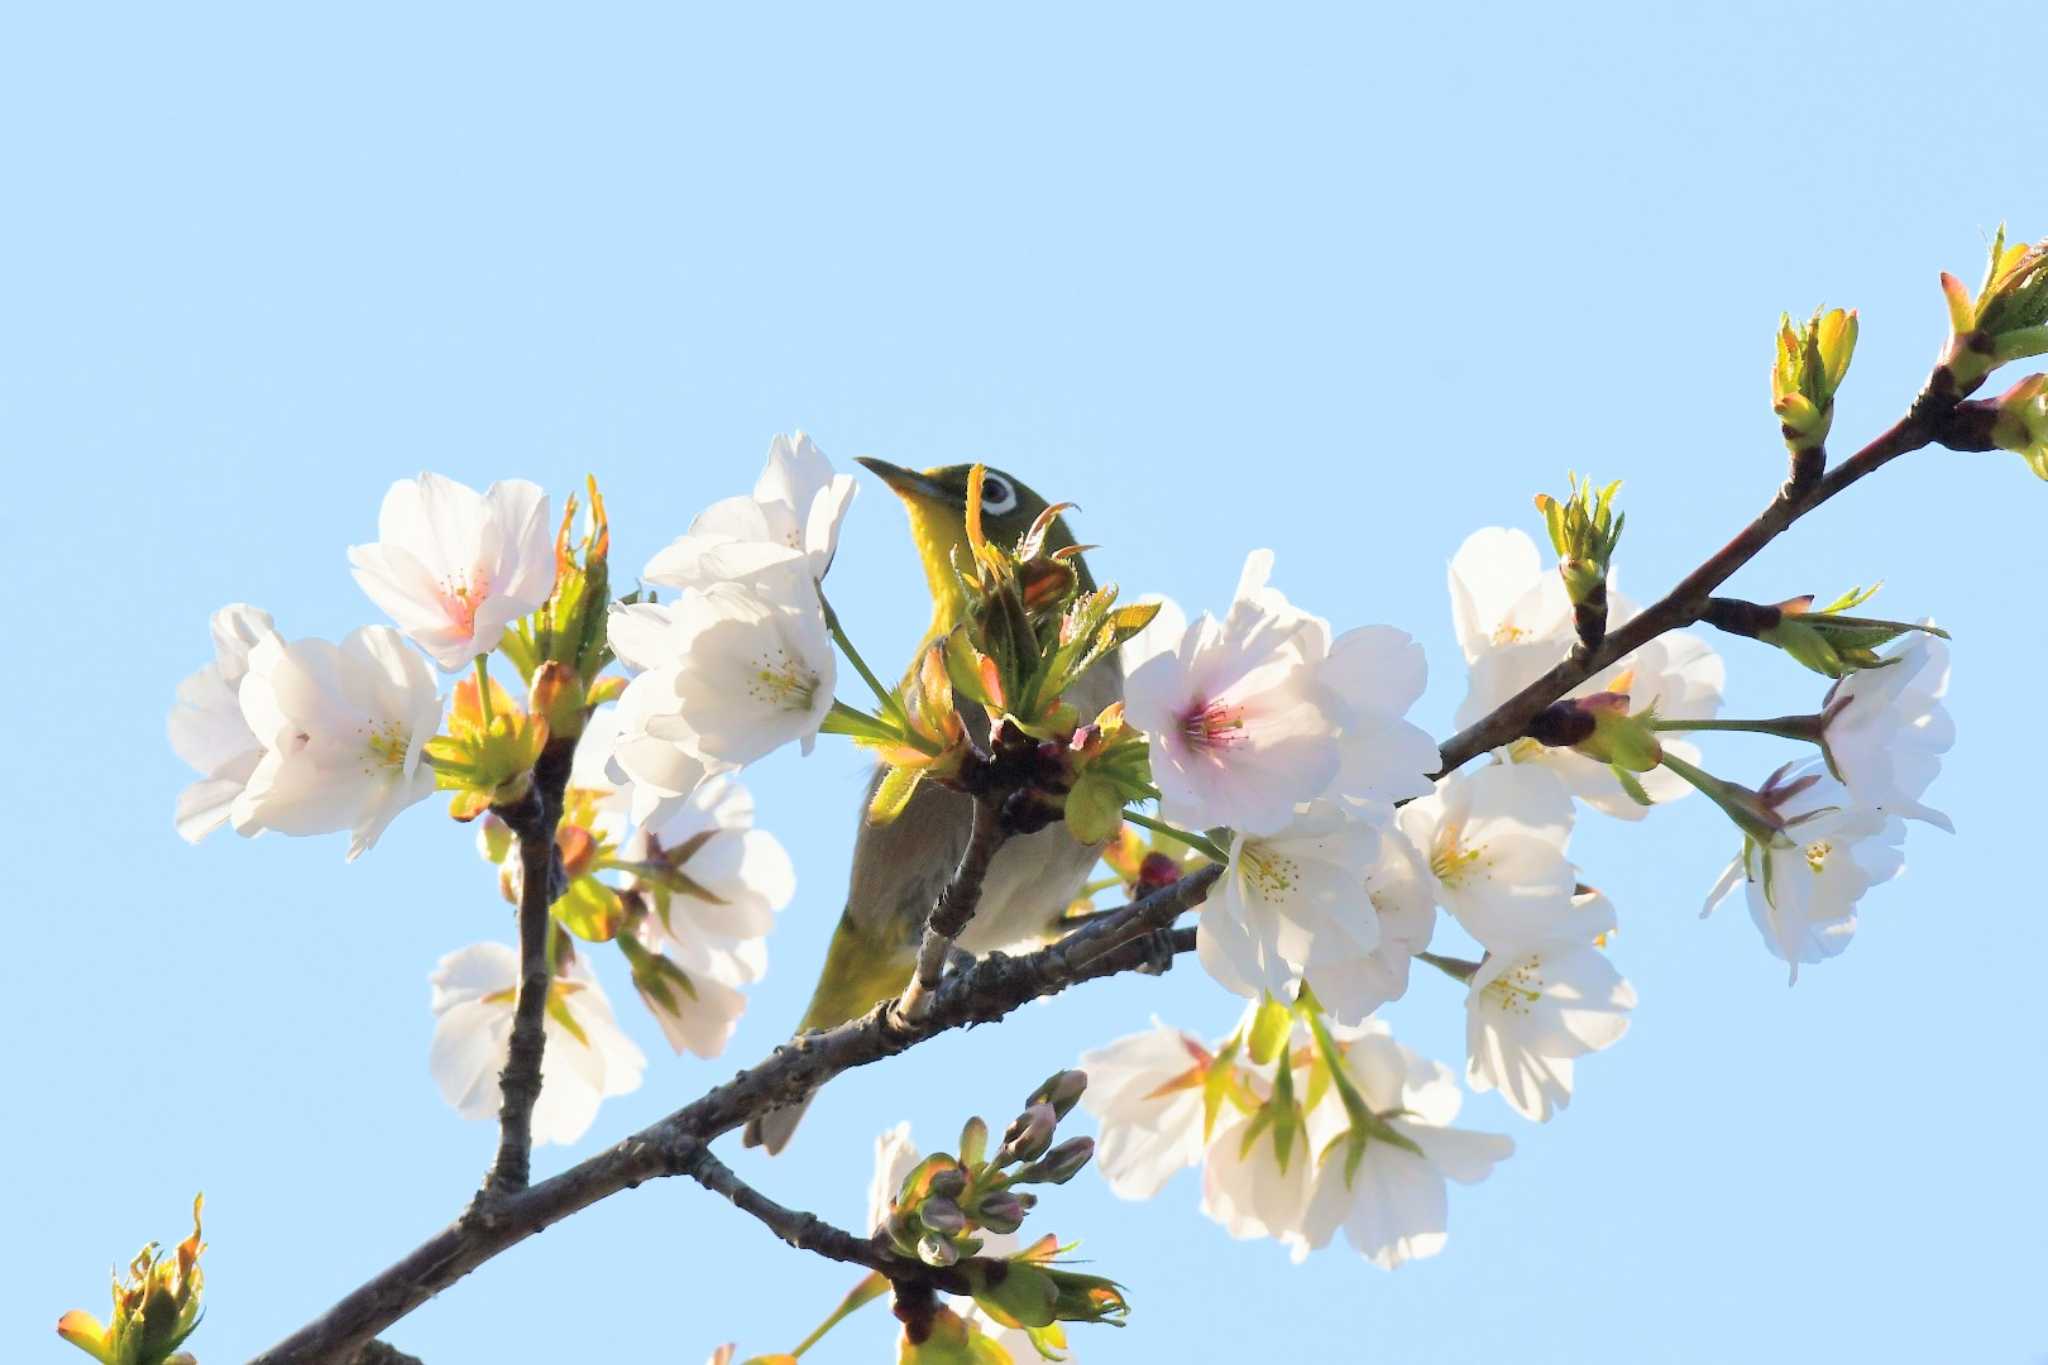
(1159, 953)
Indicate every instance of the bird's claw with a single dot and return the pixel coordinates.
(1159, 953)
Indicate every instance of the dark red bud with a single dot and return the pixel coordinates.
(1156, 871)
(1561, 725)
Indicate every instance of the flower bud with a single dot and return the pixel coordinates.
(556, 696)
(1811, 362)
(1029, 1135)
(1158, 870)
(2021, 423)
(1001, 1212)
(1584, 531)
(935, 1250)
(155, 1309)
(941, 1215)
(1061, 1164)
(1618, 738)
(949, 1183)
(1062, 1091)
(2008, 320)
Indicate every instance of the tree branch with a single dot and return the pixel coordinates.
(955, 907)
(1934, 418)
(1122, 941)
(532, 821)
(804, 1231)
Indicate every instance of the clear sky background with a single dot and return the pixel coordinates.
(1345, 284)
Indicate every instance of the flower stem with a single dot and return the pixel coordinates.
(1457, 968)
(1738, 803)
(483, 691)
(1784, 727)
(890, 705)
(1197, 842)
(871, 1287)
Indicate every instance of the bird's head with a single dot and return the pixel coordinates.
(937, 502)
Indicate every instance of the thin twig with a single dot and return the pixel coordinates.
(804, 1231)
(955, 907)
(1934, 417)
(533, 821)
(983, 993)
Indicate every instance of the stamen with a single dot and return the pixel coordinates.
(1212, 725)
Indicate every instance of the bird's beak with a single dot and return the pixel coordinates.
(906, 483)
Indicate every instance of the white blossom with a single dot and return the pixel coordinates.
(1494, 842)
(585, 1059)
(1351, 984)
(1393, 1207)
(1248, 1188)
(713, 885)
(343, 728)
(651, 637)
(207, 728)
(1886, 729)
(1514, 623)
(896, 1156)
(1503, 595)
(732, 676)
(1374, 674)
(1284, 895)
(783, 536)
(1145, 1090)
(1242, 728)
(1803, 895)
(453, 567)
(1162, 636)
(1530, 1012)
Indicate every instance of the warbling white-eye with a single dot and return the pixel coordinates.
(900, 867)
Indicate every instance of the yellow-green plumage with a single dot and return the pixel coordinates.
(900, 867)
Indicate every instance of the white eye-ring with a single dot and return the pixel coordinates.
(997, 496)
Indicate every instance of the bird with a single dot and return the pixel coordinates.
(900, 867)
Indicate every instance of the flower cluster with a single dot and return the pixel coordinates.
(1274, 747)
(659, 857)
(1301, 1129)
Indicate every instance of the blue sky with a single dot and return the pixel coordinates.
(1345, 284)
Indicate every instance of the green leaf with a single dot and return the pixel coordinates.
(1015, 1293)
(892, 794)
(1094, 809)
(590, 910)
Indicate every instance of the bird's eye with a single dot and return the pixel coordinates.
(997, 497)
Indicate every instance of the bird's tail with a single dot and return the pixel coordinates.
(860, 972)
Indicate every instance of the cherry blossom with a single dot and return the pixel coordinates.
(1886, 729)
(1243, 730)
(1530, 1012)
(1393, 1207)
(453, 567)
(1351, 984)
(711, 885)
(1494, 842)
(1803, 892)
(1375, 674)
(1514, 622)
(1247, 1186)
(207, 728)
(785, 534)
(586, 1058)
(732, 676)
(1288, 893)
(342, 728)
(1146, 1092)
